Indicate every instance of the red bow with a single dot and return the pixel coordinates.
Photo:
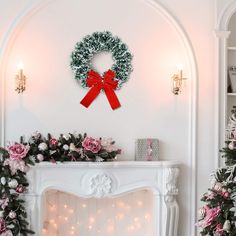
(97, 83)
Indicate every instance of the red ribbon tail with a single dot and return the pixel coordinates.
(90, 96)
(112, 98)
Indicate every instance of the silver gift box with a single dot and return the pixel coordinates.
(146, 149)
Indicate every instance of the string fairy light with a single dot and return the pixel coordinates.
(126, 211)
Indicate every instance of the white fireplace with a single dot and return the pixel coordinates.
(112, 182)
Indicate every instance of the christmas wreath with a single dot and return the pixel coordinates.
(17, 158)
(112, 79)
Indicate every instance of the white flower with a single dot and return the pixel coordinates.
(99, 159)
(16, 165)
(212, 181)
(36, 135)
(73, 148)
(12, 214)
(227, 226)
(3, 180)
(201, 213)
(218, 186)
(13, 183)
(1, 214)
(65, 147)
(231, 146)
(43, 146)
(67, 136)
(76, 134)
(40, 157)
(106, 142)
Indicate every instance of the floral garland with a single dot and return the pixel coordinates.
(17, 159)
(97, 42)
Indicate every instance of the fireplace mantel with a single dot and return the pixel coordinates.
(109, 179)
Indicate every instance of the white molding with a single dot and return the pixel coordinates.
(5, 46)
(114, 180)
(36, 5)
(225, 15)
(192, 109)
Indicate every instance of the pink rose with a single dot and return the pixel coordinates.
(6, 233)
(225, 194)
(211, 214)
(219, 229)
(18, 151)
(4, 203)
(2, 225)
(91, 144)
(53, 142)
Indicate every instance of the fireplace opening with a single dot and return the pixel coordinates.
(66, 214)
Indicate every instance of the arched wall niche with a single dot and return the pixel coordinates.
(13, 37)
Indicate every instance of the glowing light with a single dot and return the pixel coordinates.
(138, 225)
(140, 203)
(131, 228)
(52, 221)
(71, 211)
(65, 206)
(121, 204)
(119, 216)
(20, 66)
(91, 220)
(136, 219)
(147, 217)
(84, 205)
(66, 218)
(110, 229)
(90, 227)
(180, 67)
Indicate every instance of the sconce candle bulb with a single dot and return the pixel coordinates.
(177, 80)
(20, 79)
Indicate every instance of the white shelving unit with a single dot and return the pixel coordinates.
(231, 97)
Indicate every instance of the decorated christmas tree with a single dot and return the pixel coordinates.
(218, 216)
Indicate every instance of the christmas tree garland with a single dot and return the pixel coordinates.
(17, 159)
(97, 42)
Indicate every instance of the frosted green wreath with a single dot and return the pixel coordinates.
(97, 42)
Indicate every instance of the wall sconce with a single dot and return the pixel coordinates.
(20, 79)
(177, 80)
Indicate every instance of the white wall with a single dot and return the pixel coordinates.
(51, 101)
